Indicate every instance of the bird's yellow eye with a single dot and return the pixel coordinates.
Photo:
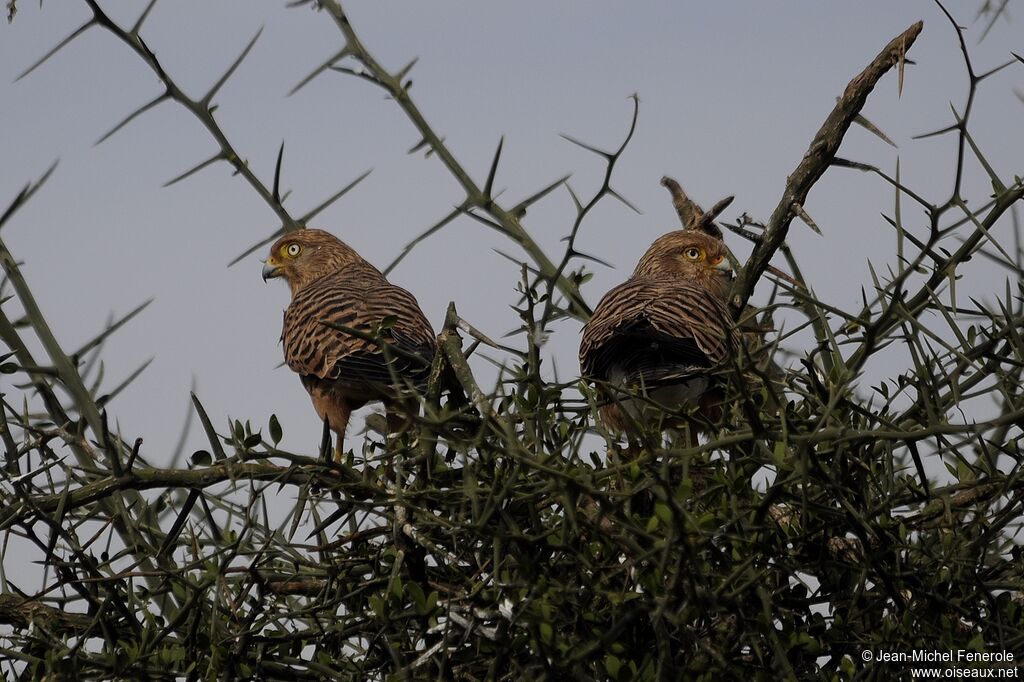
(692, 253)
(292, 250)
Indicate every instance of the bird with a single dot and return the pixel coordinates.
(662, 335)
(379, 346)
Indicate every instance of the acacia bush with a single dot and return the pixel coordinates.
(500, 538)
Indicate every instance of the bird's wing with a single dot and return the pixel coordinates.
(365, 303)
(656, 330)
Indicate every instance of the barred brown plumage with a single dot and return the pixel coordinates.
(333, 288)
(663, 332)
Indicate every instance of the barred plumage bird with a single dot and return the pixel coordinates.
(662, 333)
(331, 283)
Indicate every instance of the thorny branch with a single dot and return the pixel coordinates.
(816, 161)
(203, 110)
(505, 220)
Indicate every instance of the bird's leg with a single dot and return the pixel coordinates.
(339, 436)
(336, 411)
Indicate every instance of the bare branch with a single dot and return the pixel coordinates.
(816, 161)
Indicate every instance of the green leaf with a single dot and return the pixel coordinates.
(779, 454)
(417, 596)
(612, 665)
(275, 430)
(201, 458)
(377, 605)
(664, 513)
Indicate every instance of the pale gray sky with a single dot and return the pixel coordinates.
(731, 94)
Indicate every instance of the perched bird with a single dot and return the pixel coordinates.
(331, 284)
(662, 334)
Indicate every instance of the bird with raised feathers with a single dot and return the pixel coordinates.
(655, 343)
(350, 335)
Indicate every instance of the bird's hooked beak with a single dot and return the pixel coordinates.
(271, 269)
(724, 266)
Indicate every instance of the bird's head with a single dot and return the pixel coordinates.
(688, 254)
(304, 256)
